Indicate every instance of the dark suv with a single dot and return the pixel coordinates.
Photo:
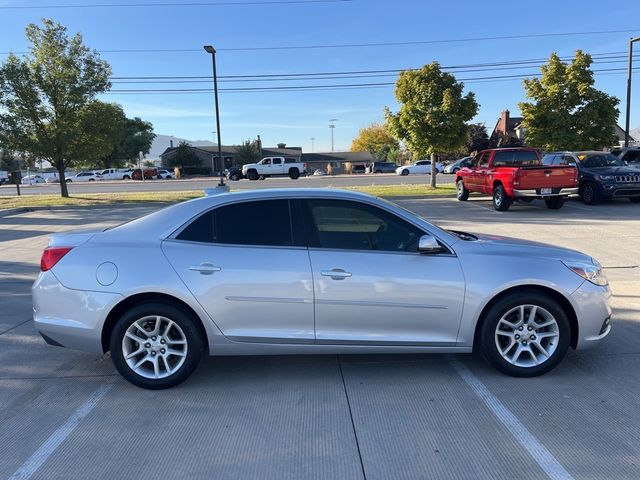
(602, 175)
(382, 167)
(629, 155)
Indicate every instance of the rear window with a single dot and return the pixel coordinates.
(516, 158)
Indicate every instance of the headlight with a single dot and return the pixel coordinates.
(589, 271)
(606, 178)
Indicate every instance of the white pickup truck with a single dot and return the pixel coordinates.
(116, 174)
(273, 167)
(4, 176)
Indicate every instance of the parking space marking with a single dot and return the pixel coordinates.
(542, 456)
(41, 455)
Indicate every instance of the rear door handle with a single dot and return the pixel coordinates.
(336, 274)
(205, 268)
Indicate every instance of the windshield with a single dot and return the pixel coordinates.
(594, 160)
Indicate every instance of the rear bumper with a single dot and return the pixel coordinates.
(563, 192)
(70, 318)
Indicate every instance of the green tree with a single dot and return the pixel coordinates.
(247, 152)
(7, 160)
(47, 99)
(477, 138)
(184, 157)
(433, 112)
(378, 141)
(137, 136)
(566, 111)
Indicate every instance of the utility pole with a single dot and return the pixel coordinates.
(629, 71)
(212, 51)
(332, 126)
(313, 139)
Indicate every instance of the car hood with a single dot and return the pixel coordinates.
(516, 247)
(614, 170)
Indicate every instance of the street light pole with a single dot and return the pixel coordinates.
(313, 139)
(212, 51)
(629, 70)
(332, 126)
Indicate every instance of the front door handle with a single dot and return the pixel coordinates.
(205, 268)
(336, 274)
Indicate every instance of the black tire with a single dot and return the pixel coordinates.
(234, 177)
(489, 345)
(68, 180)
(195, 344)
(92, 180)
(554, 203)
(126, 177)
(294, 173)
(252, 175)
(462, 193)
(589, 193)
(634, 199)
(404, 172)
(501, 202)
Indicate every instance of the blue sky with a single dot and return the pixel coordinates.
(295, 117)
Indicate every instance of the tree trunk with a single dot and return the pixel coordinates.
(63, 181)
(433, 170)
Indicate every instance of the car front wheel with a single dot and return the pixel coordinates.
(589, 194)
(405, 172)
(462, 193)
(156, 345)
(525, 334)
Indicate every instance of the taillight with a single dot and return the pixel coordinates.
(51, 256)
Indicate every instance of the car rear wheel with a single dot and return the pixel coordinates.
(252, 175)
(501, 201)
(405, 172)
(462, 193)
(294, 174)
(525, 334)
(554, 203)
(234, 177)
(156, 345)
(126, 177)
(590, 194)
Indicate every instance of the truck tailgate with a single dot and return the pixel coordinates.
(557, 176)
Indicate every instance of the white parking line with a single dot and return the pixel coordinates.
(41, 455)
(539, 452)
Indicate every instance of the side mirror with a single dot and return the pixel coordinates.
(429, 244)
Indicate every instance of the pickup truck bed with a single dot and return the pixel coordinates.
(516, 174)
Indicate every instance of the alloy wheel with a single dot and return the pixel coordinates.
(154, 347)
(527, 336)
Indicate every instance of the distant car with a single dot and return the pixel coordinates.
(420, 167)
(4, 176)
(454, 167)
(358, 169)
(629, 155)
(319, 172)
(52, 180)
(166, 174)
(149, 173)
(382, 167)
(31, 179)
(84, 177)
(602, 175)
(234, 173)
(116, 174)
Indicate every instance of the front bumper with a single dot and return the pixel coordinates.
(70, 318)
(593, 311)
(620, 190)
(555, 192)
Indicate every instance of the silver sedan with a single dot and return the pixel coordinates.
(301, 271)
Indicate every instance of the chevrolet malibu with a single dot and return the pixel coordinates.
(304, 271)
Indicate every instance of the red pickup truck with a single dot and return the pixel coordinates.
(516, 174)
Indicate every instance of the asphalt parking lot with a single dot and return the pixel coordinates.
(65, 414)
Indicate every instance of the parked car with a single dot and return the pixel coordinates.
(4, 176)
(116, 174)
(166, 174)
(510, 174)
(358, 169)
(234, 173)
(31, 179)
(84, 177)
(454, 167)
(318, 172)
(149, 173)
(422, 166)
(274, 167)
(311, 271)
(52, 180)
(629, 155)
(382, 167)
(603, 176)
